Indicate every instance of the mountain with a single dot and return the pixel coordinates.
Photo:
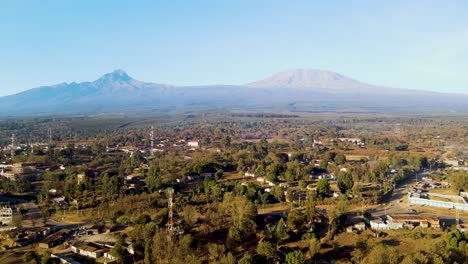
(307, 79)
(298, 90)
(324, 81)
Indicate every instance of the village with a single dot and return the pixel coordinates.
(66, 220)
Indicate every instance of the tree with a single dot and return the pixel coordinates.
(345, 181)
(241, 166)
(314, 247)
(380, 170)
(296, 219)
(278, 192)
(280, 230)
(340, 159)
(119, 250)
(189, 216)
(323, 164)
(240, 212)
(246, 259)
(382, 254)
(225, 141)
(153, 179)
(323, 188)
(28, 257)
(267, 250)
(143, 219)
(311, 212)
(215, 251)
(295, 257)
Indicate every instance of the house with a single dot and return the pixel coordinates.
(89, 174)
(251, 174)
(55, 239)
(193, 144)
(337, 194)
(360, 226)
(91, 250)
(94, 230)
(24, 167)
(379, 224)
(64, 258)
(60, 201)
(413, 220)
(6, 214)
(88, 249)
(8, 174)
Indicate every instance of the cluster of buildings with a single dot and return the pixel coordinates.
(12, 171)
(50, 237)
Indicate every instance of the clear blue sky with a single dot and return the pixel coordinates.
(407, 44)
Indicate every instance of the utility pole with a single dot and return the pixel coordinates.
(12, 153)
(152, 140)
(50, 137)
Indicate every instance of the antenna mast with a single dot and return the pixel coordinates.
(50, 136)
(170, 203)
(12, 153)
(152, 140)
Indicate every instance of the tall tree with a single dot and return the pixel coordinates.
(323, 188)
(345, 181)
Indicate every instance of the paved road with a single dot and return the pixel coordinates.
(398, 204)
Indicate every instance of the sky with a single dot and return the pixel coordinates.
(396, 43)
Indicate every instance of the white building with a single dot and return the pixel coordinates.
(193, 144)
(6, 214)
(250, 174)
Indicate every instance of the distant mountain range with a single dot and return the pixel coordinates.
(298, 90)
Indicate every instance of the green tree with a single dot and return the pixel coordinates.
(153, 179)
(28, 257)
(382, 254)
(314, 247)
(267, 250)
(296, 219)
(380, 170)
(281, 232)
(119, 251)
(226, 141)
(345, 181)
(295, 257)
(311, 211)
(340, 159)
(246, 259)
(323, 188)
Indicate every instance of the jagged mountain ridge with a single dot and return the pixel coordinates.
(296, 90)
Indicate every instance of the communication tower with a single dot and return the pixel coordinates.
(170, 204)
(152, 140)
(50, 136)
(12, 153)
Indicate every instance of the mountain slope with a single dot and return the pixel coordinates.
(324, 81)
(307, 79)
(296, 90)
